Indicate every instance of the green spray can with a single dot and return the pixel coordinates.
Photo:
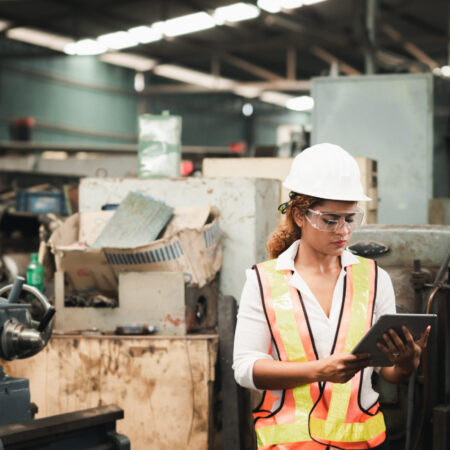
(35, 273)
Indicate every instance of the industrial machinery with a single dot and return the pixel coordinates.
(22, 337)
(417, 259)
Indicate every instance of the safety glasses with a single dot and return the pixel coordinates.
(333, 221)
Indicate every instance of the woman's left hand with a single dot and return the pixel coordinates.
(404, 355)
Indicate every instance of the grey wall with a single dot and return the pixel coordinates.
(388, 118)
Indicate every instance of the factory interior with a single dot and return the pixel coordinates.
(144, 148)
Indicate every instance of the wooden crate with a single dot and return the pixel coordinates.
(164, 384)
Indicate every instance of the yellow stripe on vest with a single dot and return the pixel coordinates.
(336, 432)
(361, 286)
(285, 318)
(348, 432)
(290, 335)
(361, 290)
(290, 432)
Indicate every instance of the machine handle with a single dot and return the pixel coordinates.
(49, 310)
(46, 319)
(13, 296)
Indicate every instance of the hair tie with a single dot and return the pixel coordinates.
(284, 206)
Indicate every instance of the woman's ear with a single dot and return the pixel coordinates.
(299, 218)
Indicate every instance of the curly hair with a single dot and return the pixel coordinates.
(288, 231)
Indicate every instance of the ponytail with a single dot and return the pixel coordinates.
(288, 231)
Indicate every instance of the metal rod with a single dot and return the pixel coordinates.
(14, 293)
(38, 147)
(371, 13)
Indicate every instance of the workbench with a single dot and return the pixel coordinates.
(164, 384)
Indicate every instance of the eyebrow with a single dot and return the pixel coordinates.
(351, 213)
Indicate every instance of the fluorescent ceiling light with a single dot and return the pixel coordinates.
(3, 25)
(41, 38)
(302, 103)
(188, 24)
(192, 76)
(292, 4)
(445, 70)
(139, 82)
(117, 40)
(312, 2)
(144, 34)
(85, 47)
(247, 91)
(235, 13)
(136, 62)
(247, 109)
(276, 98)
(272, 6)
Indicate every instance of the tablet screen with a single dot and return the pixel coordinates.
(416, 324)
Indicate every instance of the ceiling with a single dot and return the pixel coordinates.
(296, 44)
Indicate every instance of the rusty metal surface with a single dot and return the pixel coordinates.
(201, 308)
(428, 243)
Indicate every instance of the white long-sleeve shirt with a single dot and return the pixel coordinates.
(252, 337)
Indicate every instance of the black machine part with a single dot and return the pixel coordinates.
(16, 339)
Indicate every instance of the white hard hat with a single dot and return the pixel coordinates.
(326, 171)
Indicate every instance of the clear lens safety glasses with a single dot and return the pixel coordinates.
(333, 221)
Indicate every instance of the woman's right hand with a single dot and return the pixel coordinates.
(341, 367)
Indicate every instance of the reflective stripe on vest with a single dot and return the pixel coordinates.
(310, 416)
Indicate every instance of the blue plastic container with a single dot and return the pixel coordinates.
(41, 202)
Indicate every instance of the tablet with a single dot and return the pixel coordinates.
(416, 324)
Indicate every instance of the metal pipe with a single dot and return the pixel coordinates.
(410, 414)
(371, 13)
(16, 289)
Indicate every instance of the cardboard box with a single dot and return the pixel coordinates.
(86, 270)
(191, 245)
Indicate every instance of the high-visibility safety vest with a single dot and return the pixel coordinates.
(315, 415)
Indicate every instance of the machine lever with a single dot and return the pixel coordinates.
(46, 319)
(16, 289)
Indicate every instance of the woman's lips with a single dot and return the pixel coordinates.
(339, 243)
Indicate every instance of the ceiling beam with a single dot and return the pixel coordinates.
(409, 46)
(291, 63)
(250, 67)
(282, 85)
(331, 59)
(299, 27)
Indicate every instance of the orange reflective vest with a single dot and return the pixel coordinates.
(315, 415)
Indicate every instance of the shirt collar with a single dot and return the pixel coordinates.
(285, 260)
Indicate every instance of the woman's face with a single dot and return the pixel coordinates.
(328, 233)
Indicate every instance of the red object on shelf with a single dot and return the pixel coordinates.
(20, 128)
(238, 147)
(187, 167)
(24, 121)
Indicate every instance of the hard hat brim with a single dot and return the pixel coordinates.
(327, 196)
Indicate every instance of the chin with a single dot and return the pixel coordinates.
(337, 251)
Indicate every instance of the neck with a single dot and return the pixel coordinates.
(310, 259)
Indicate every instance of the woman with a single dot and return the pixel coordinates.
(303, 311)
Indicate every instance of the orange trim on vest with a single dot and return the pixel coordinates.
(285, 414)
(294, 446)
